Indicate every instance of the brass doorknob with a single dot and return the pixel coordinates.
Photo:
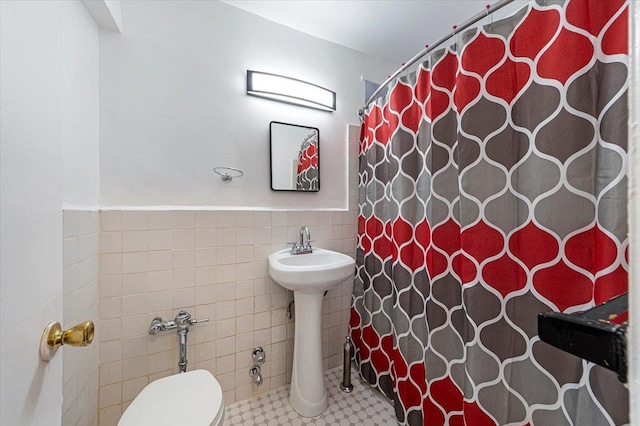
(54, 337)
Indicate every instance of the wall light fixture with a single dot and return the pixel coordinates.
(290, 90)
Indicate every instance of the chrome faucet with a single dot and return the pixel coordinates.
(301, 247)
(182, 322)
(304, 232)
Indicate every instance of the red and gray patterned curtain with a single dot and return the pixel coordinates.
(307, 174)
(492, 188)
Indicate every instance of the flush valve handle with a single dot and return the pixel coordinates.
(157, 325)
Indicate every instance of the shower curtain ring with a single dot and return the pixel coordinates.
(489, 15)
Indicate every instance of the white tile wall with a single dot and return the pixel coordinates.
(213, 264)
(80, 284)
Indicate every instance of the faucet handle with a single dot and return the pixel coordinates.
(258, 355)
(197, 321)
(295, 247)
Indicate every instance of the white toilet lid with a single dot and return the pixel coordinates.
(193, 398)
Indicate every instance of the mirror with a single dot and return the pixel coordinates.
(295, 157)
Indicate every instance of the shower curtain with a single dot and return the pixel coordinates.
(307, 173)
(492, 188)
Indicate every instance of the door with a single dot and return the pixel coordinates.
(30, 206)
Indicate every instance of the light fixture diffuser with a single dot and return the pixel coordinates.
(290, 90)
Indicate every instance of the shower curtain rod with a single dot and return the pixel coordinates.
(306, 141)
(428, 48)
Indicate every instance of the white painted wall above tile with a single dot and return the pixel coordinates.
(173, 106)
(79, 103)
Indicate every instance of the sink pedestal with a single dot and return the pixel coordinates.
(308, 395)
(309, 276)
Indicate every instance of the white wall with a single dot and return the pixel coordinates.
(80, 191)
(173, 106)
(79, 91)
(106, 14)
(213, 264)
(31, 218)
(115, 10)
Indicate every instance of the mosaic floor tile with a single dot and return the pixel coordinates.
(364, 406)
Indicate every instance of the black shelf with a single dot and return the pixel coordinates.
(597, 335)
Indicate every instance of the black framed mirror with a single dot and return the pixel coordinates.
(295, 157)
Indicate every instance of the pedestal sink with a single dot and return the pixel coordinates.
(309, 276)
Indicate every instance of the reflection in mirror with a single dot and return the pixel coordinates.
(295, 164)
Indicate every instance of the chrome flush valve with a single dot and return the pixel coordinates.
(182, 322)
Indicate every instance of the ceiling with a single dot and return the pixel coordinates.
(393, 30)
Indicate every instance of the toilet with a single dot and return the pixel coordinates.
(193, 398)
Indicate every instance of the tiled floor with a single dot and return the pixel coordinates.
(363, 406)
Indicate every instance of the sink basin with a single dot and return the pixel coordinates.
(310, 273)
(309, 276)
